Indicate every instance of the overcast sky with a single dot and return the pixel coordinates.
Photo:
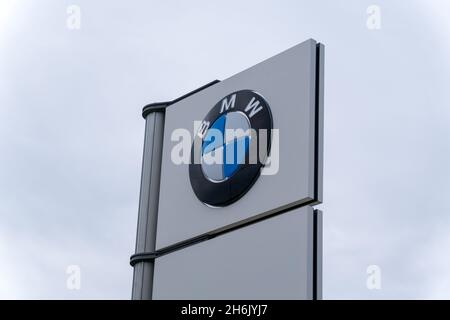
(71, 134)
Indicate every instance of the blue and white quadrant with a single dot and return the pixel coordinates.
(225, 146)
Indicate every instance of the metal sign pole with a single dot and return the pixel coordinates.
(143, 261)
(148, 200)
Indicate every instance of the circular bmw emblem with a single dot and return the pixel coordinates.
(228, 151)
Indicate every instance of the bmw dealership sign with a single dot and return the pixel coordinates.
(230, 176)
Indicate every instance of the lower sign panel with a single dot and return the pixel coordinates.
(272, 259)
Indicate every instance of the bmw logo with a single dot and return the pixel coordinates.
(230, 148)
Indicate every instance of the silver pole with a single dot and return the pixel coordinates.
(148, 199)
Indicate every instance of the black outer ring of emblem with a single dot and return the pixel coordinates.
(220, 194)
